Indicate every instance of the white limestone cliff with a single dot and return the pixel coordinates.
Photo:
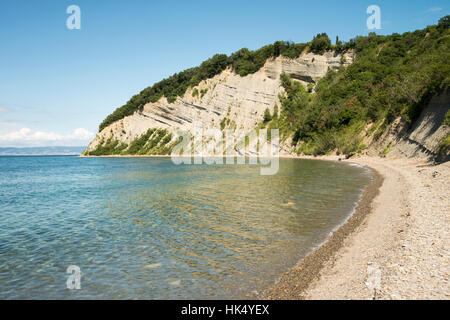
(242, 100)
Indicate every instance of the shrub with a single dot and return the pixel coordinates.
(320, 43)
(137, 144)
(275, 112)
(267, 115)
(447, 119)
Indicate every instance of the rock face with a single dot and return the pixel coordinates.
(310, 67)
(423, 139)
(225, 100)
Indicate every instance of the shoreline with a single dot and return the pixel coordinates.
(283, 156)
(394, 246)
(293, 283)
(399, 230)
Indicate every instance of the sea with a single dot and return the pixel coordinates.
(146, 228)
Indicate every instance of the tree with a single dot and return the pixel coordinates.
(267, 116)
(444, 22)
(275, 112)
(447, 119)
(321, 43)
(277, 48)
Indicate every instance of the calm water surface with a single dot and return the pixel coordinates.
(145, 228)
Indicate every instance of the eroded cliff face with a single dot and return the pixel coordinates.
(422, 141)
(224, 101)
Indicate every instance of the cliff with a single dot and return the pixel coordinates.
(225, 101)
(424, 140)
(379, 95)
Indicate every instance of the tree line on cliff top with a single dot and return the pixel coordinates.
(243, 62)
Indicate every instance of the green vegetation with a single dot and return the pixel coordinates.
(293, 105)
(223, 123)
(445, 144)
(227, 123)
(267, 115)
(154, 141)
(321, 43)
(153, 145)
(385, 151)
(203, 92)
(447, 119)
(246, 62)
(108, 148)
(275, 112)
(138, 144)
(392, 76)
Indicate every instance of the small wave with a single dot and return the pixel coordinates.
(356, 165)
(153, 266)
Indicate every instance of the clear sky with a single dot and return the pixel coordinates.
(57, 85)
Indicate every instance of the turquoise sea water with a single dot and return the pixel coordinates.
(144, 228)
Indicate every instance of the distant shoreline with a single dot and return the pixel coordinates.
(42, 151)
(40, 155)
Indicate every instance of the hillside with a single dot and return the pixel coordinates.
(365, 96)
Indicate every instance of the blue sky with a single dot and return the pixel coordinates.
(57, 85)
